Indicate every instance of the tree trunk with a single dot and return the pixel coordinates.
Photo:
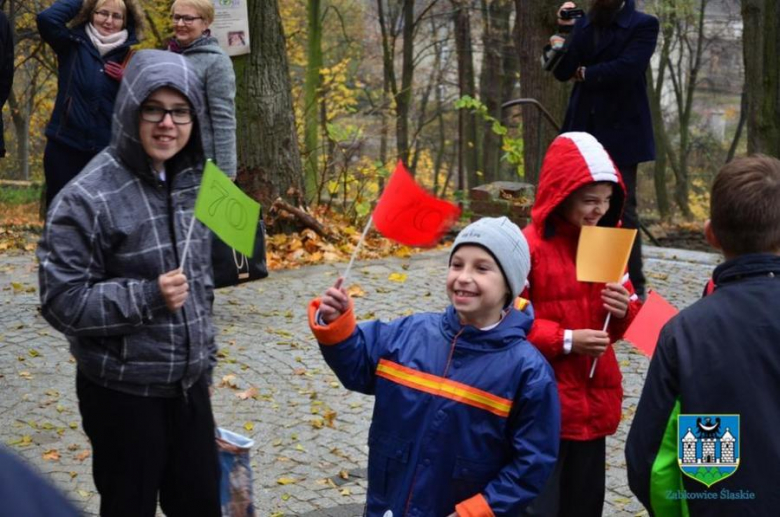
(403, 98)
(659, 167)
(268, 155)
(20, 117)
(654, 89)
(685, 86)
(311, 96)
(495, 28)
(330, 154)
(740, 126)
(509, 82)
(388, 84)
(496, 39)
(469, 148)
(537, 22)
(761, 49)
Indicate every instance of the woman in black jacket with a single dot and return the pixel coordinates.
(92, 40)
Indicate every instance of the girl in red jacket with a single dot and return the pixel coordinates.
(578, 186)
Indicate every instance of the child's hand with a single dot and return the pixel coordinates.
(174, 288)
(334, 302)
(589, 342)
(616, 300)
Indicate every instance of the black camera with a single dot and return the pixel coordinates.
(572, 14)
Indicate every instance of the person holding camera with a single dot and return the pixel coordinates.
(607, 54)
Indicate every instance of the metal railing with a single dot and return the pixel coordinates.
(541, 112)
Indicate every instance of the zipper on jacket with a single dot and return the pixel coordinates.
(452, 352)
(427, 419)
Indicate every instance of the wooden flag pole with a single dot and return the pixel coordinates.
(187, 243)
(596, 360)
(357, 248)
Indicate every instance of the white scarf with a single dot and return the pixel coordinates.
(105, 44)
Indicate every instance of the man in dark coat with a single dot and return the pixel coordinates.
(6, 69)
(608, 54)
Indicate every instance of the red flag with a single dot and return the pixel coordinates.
(406, 213)
(644, 330)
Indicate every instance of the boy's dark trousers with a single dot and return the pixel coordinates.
(576, 486)
(142, 446)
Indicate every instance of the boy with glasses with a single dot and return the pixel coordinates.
(138, 321)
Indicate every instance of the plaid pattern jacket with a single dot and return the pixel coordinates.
(112, 231)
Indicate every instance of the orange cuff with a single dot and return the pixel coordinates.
(521, 303)
(335, 332)
(476, 506)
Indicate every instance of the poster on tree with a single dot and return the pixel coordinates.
(231, 26)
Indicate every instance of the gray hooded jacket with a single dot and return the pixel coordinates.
(218, 126)
(109, 235)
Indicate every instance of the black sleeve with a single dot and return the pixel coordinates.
(572, 58)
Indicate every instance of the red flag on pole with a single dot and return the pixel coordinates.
(644, 330)
(406, 213)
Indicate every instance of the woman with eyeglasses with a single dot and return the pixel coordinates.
(92, 40)
(192, 38)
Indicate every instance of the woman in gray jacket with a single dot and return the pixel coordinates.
(191, 20)
(137, 319)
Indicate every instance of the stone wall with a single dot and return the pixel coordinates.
(509, 198)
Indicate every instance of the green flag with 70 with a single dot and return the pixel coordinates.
(226, 210)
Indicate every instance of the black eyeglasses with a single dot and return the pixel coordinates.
(156, 114)
(105, 14)
(185, 18)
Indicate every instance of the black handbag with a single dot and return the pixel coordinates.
(231, 267)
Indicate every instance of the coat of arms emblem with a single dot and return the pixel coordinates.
(708, 446)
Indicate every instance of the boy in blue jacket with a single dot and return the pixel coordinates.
(466, 420)
(718, 359)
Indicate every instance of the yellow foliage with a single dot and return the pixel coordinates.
(699, 199)
(160, 26)
(340, 57)
(340, 99)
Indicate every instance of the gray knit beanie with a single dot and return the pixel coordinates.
(504, 240)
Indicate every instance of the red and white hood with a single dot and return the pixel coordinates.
(572, 161)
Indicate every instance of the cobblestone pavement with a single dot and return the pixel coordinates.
(310, 448)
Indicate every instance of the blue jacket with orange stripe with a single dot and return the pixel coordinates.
(464, 418)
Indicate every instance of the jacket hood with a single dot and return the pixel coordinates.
(572, 161)
(515, 326)
(204, 45)
(746, 266)
(148, 71)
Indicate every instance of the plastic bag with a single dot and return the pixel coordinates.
(235, 487)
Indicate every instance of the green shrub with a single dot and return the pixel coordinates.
(20, 195)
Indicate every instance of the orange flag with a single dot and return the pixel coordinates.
(602, 253)
(406, 213)
(644, 330)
